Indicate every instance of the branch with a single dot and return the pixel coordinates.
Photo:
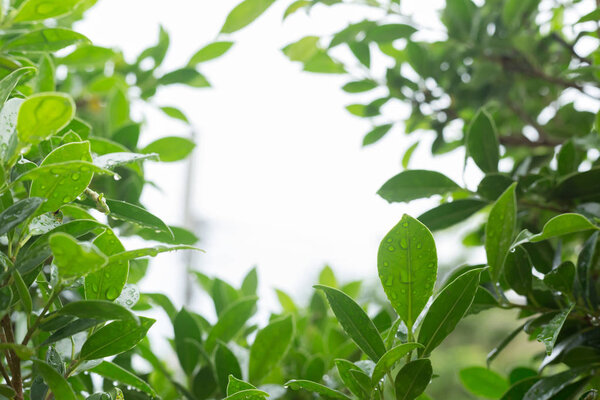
(569, 47)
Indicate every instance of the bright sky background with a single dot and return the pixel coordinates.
(280, 178)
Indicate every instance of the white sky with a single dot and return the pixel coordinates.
(281, 180)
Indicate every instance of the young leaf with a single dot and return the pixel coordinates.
(250, 283)
(46, 40)
(355, 322)
(18, 212)
(447, 310)
(23, 291)
(447, 214)
(171, 148)
(55, 381)
(75, 259)
(184, 76)
(115, 338)
(324, 391)
(563, 224)
(416, 184)
(390, 358)
(244, 13)
(407, 265)
(270, 345)
(483, 382)
(482, 142)
(248, 394)
(116, 373)
(500, 231)
(42, 115)
(412, 379)
(147, 251)
(550, 331)
(187, 336)
(235, 385)
(209, 52)
(10, 81)
(108, 282)
(175, 113)
(231, 321)
(38, 10)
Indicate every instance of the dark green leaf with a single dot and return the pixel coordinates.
(115, 338)
(18, 212)
(517, 270)
(412, 379)
(500, 231)
(482, 142)
(448, 214)
(376, 134)
(416, 184)
(116, 373)
(58, 385)
(226, 364)
(390, 358)
(98, 309)
(187, 335)
(314, 387)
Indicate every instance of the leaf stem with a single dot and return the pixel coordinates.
(38, 320)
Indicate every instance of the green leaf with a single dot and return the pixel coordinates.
(46, 81)
(286, 302)
(561, 278)
(147, 251)
(75, 259)
(98, 309)
(226, 365)
(7, 391)
(231, 321)
(116, 373)
(18, 212)
(79, 325)
(295, 6)
(416, 184)
(302, 50)
(582, 186)
(87, 56)
(493, 185)
(389, 32)
(375, 134)
(567, 159)
(116, 159)
(171, 148)
(175, 113)
(355, 321)
(55, 381)
(447, 310)
(314, 387)
(184, 76)
(38, 10)
(269, 347)
(209, 52)
(47, 40)
(483, 382)
(24, 352)
(248, 394)
(108, 282)
(345, 369)
(23, 291)
(250, 283)
(237, 385)
(10, 81)
(43, 115)
(61, 188)
(550, 331)
(505, 342)
(244, 14)
(517, 271)
(115, 338)
(412, 379)
(546, 388)
(363, 85)
(482, 142)
(563, 224)
(390, 358)
(408, 154)
(137, 215)
(500, 230)
(187, 334)
(407, 265)
(448, 214)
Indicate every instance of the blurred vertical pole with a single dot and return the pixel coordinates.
(189, 221)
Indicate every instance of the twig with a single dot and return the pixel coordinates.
(14, 363)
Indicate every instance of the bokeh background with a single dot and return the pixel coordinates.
(279, 179)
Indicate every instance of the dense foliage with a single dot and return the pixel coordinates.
(513, 85)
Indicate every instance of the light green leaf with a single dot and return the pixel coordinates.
(416, 184)
(61, 188)
(244, 14)
(116, 373)
(482, 142)
(563, 224)
(237, 385)
(226, 365)
(209, 52)
(355, 321)
(389, 32)
(550, 331)
(115, 338)
(412, 379)
(185, 76)
(408, 154)
(407, 265)
(43, 115)
(55, 381)
(447, 310)
(175, 113)
(87, 56)
(345, 369)
(500, 230)
(171, 148)
(38, 10)
(248, 394)
(363, 85)
(390, 358)
(108, 282)
(295, 6)
(376, 134)
(303, 49)
(231, 321)
(483, 382)
(75, 259)
(46, 40)
(187, 336)
(147, 252)
(116, 159)
(10, 81)
(269, 347)
(314, 387)
(23, 291)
